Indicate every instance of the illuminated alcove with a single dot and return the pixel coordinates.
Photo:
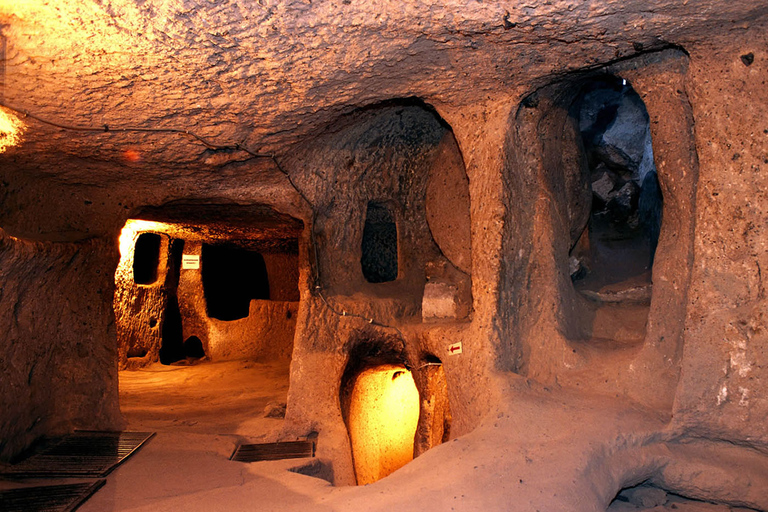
(382, 419)
(394, 410)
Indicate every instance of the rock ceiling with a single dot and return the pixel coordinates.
(266, 75)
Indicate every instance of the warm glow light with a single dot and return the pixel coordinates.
(11, 128)
(135, 227)
(131, 231)
(383, 416)
(132, 156)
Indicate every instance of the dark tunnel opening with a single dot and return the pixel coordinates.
(146, 258)
(619, 243)
(232, 277)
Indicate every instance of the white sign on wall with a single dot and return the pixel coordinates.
(454, 349)
(190, 261)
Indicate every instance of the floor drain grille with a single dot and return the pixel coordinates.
(274, 451)
(82, 454)
(48, 498)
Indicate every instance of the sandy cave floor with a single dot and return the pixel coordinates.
(543, 452)
(529, 457)
(227, 398)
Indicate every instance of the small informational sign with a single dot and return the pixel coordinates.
(454, 349)
(190, 261)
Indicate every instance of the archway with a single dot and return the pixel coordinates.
(613, 258)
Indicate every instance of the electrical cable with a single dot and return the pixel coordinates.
(126, 129)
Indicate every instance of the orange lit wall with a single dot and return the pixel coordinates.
(383, 415)
(140, 309)
(11, 128)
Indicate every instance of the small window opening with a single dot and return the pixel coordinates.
(193, 348)
(379, 246)
(618, 247)
(146, 258)
(380, 404)
(232, 277)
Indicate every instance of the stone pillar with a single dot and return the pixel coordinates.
(660, 80)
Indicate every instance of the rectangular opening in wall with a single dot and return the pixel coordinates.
(379, 246)
(146, 258)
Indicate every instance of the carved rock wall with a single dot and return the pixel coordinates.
(725, 358)
(58, 351)
(293, 80)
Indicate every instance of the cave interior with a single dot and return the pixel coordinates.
(483, 256)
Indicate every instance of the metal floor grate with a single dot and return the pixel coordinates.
(82, 454)
(274, 451)
(48, 498)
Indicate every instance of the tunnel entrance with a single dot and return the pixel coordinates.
(217, 322)
(232, 277)
(172, 346)
(615, 253)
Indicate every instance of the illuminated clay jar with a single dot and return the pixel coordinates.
(383, 415)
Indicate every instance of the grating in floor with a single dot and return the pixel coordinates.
(48, 498)
(274, 451)
(82, 454)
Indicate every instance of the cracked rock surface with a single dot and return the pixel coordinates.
(458, 113)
